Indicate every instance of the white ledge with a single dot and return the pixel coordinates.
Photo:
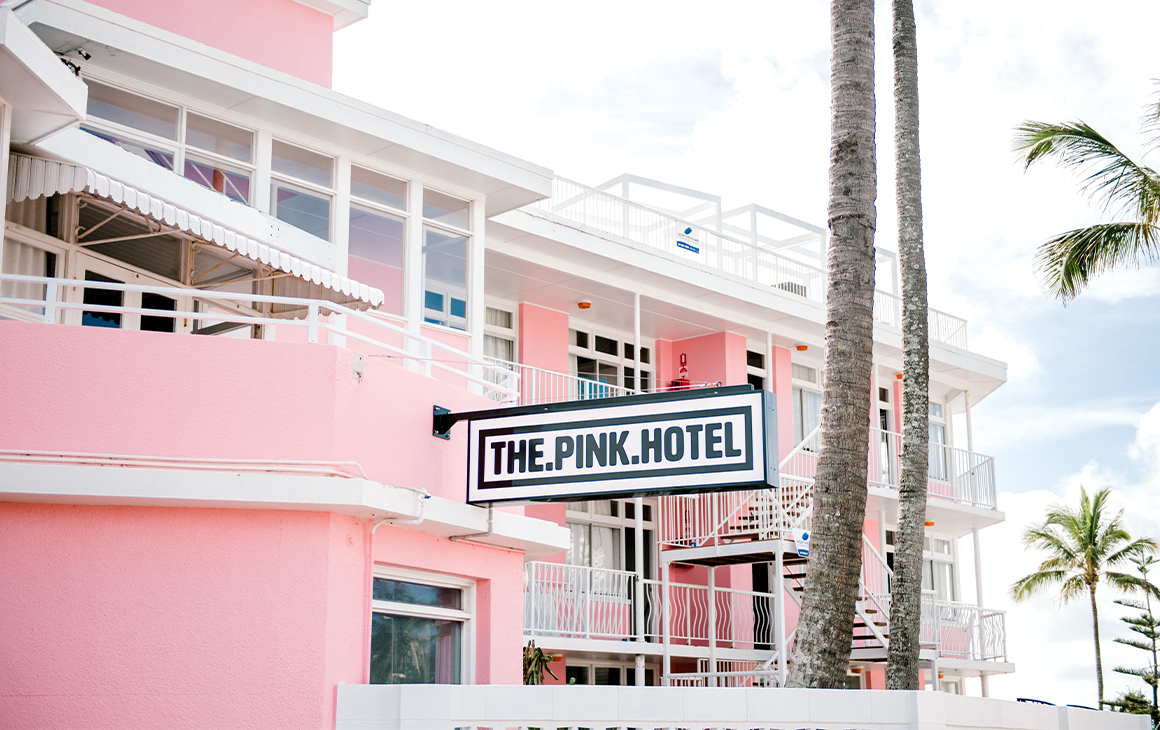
(361, 498)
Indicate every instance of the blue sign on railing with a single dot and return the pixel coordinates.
(686, 241)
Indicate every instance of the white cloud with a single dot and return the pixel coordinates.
(1051, 644)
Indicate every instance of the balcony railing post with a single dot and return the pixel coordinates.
(50, 299)
(312, 323)
(711, 611)
(588, 605)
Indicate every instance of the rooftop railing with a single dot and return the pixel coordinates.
(603, 213)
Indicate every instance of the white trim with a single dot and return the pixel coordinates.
(465, 615)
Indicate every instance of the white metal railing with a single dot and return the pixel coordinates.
(61, 302)
(607, 213)
(578, 602)
(964, 631)
(539, 386)
(954, 474)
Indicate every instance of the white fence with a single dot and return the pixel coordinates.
(578, 602)
(58, 301)
(515, 707)
(539, 386)
(954, 474)
(603, 212)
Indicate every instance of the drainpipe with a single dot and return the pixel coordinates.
(490, 518)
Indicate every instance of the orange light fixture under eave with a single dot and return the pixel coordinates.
(929, 524)
(898, 375)
(802, 348)
(584, 305)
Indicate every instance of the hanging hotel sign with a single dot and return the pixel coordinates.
(692, 441)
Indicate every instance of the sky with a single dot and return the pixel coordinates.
(733, 99)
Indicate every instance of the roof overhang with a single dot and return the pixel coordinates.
(44, 95)
(34, 177)
(121, 46)
(344, 12)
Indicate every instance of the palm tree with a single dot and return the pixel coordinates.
(1084, 548)
(826, 623)
(906, 588)
(1069, 260)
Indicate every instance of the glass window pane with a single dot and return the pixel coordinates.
(579, 339)
(227, 181)
(607, 675)
(152, 323)
(102, 298)
(576, 674)
(445, 209)
(131, 110)
(412, 650)
(419, 594)
(378, 188)
(218, 137)
(578, 550)
(376, 254)
(445, 273)
(500, 348)
(754, 359)
(308, 211)
(644, 355)
(605, 547)
(607, 346)
(302, 164)
(936, 410)
(145, 152)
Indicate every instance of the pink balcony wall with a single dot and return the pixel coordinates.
(281, 34)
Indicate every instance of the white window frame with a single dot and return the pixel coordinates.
(592, 664)
(466, 615)
(619, 523)
(619, 361)
(511, 334)
(469, 265)
(305, 186)
(178, 147)
(386, 210)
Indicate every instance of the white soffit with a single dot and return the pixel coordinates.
(45, 96)
(344, 12)
(33, 177)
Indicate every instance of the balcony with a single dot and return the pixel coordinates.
(577, 602)
(605, 214)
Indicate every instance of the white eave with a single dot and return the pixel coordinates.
(361, 498)
(166, 60)
(34, 177)
(344, 12)
(44, 95)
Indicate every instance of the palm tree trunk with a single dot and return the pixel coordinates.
(1096, 632)
(906, 588)
(825, 626)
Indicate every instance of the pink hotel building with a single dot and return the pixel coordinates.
(230, 299)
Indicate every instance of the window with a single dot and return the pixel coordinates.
(938, 568)
(445, 243)
(807, 412)
(604, 534)
(606, 673)
(610, 361)
(300, 191)
(499, 334)
(420, 626)
(378, 226)
(210, 152)
(940, 457)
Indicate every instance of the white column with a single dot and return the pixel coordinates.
(476, 301)
(639, 670)
(978, 568)
(779, 613)
(636, 365)
(413, 272)
(5, 139)
(971, 446)
(666, 617)
(638, 549)
(263, 154)
(882, 545)
(769, 366)
(341, 228)
(712, 619)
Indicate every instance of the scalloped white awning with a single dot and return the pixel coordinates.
(33, 177)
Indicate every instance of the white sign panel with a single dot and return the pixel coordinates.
(636, 445)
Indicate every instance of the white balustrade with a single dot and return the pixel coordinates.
(539, 386)
(607, 214)
(47, 300)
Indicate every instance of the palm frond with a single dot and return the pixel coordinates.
(1030, 585)
(1073, 587)
(1070, 260)
(1111, 176)
(1045, 538)
(1134, 549)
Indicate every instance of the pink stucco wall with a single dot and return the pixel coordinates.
(157, 394)
(132, 616)
(543, 339)
(783, 389)
(499, 593)
(144, 617)
(719, 357)
(281, 34)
